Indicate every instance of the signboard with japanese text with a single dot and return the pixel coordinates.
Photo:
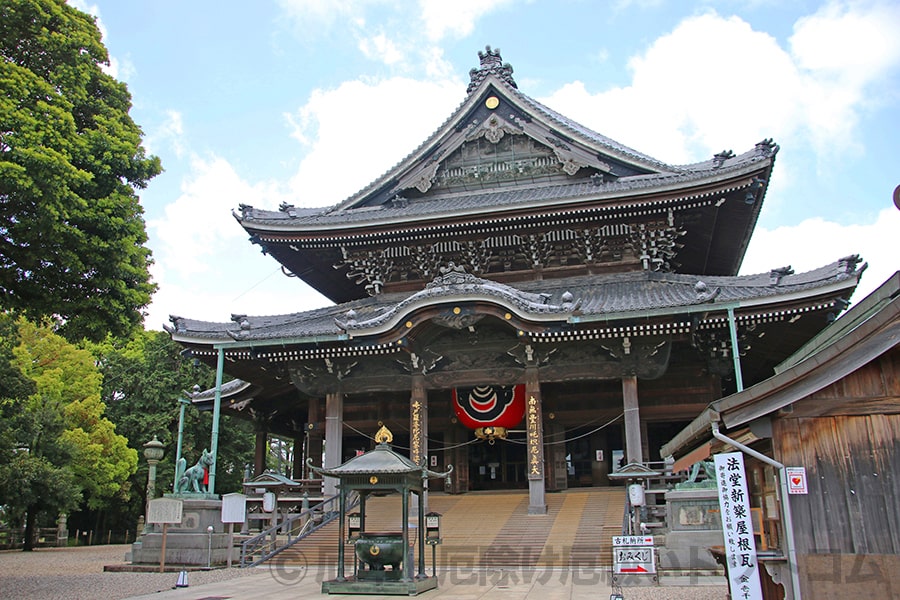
(737, 527)
(796, 477)
(632, 540)
(165, 510)
(633, 555)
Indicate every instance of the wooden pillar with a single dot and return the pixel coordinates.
(418, 420)
(297, 452)
(633, 445)
(418, 433)
(537, 503)
(645, 440)
(314, 434)
(457, 436)
(260, 452)
(334, 442)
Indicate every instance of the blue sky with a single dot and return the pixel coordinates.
(306, 101)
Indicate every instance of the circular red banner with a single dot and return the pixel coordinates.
(489, 405)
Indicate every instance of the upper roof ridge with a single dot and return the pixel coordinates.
(491, 64)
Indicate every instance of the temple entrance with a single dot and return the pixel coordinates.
(498, 466)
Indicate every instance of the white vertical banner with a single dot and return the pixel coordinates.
(737, 527)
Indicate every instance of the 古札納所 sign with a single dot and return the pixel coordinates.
(633, 555)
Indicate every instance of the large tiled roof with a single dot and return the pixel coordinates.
(520, 196)
(656, 174)
(613, 296)
(591, 135)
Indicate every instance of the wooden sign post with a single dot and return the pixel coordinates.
(164, 511)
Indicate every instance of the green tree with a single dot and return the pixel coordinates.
(72, 233)
(61, 447)
(143, 377)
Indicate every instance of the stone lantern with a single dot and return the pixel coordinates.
(153, 452)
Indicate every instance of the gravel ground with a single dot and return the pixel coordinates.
(77, 574)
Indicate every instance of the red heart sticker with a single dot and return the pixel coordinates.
(796, 480)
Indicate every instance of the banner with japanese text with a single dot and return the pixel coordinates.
(737, 527)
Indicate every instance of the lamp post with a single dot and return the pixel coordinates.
(153, 452)
(209, 532)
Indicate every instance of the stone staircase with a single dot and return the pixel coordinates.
(494, 530)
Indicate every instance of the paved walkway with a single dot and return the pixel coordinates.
(301, 583)
(77, 574)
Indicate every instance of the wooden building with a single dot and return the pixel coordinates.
(833, 408)
(516, 254)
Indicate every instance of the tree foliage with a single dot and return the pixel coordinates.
(59, 446)
(72, 234)
(143, 378)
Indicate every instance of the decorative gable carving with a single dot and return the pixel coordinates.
(496, 153)
(493, 130)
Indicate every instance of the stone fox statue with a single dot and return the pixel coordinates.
(195, 477)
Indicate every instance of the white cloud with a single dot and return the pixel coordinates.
(844, 52)
(854, 41)
(815, 242)
(312, 18)
(705, 87)
(714, 83)
(198, 226)
(380, 48)
(247, 283)
(357, 131)
(457, 18)
(170, 131)
(205, 266)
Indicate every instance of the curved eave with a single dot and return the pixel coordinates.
(874, 329)
(598, 201)
(421, 310)
(384, 325)
(232, 391)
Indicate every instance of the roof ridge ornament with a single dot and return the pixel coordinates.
(384, 435)
(720, 158)
(491, 64)
(766, 147)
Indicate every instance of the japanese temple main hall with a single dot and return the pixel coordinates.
(520, 297)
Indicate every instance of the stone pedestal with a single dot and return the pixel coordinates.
(187, 543)
(695, 525)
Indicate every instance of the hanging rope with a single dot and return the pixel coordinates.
(510, 440)
(577, 437)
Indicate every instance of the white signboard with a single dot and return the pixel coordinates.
(234, 508)
(632, 540)
(737, 527)
(796, 477)
(633, 560)
(165, 510)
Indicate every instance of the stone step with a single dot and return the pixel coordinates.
(494, 530)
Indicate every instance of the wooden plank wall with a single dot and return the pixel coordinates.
(853, 469)
(852, 460)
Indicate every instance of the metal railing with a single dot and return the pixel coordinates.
(267, 544)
